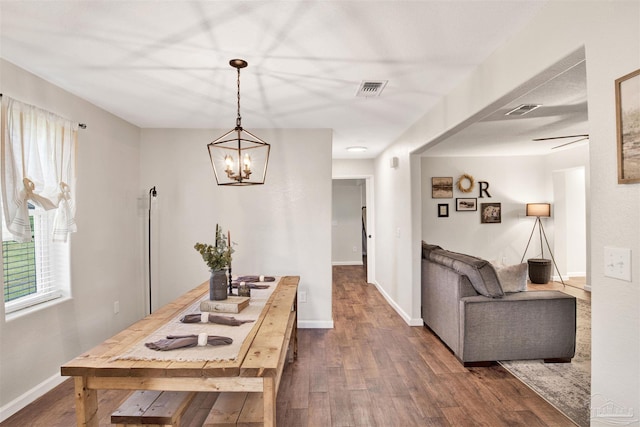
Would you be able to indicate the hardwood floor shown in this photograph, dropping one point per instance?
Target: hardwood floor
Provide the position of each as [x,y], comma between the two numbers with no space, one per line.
[573,286]
[370,370]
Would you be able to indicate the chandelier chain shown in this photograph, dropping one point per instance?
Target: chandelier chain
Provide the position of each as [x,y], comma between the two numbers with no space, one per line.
[239,119]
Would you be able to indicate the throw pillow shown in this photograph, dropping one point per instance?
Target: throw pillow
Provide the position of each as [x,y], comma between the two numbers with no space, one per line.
[513,278]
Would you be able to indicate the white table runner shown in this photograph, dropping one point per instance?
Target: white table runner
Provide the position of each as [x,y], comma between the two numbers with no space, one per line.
[259,298]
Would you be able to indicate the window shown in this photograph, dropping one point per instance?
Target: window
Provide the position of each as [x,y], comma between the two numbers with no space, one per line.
[35,271]
[38,203]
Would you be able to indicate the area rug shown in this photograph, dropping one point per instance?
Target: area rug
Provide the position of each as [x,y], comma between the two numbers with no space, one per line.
[567,386]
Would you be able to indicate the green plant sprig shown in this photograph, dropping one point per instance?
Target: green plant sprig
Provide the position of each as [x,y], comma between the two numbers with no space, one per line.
[217,257]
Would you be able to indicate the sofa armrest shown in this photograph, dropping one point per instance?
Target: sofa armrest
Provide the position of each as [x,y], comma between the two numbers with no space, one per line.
[523,325]
[442,289]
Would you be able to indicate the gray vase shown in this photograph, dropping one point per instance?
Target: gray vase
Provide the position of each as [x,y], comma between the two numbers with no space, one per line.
[218,285]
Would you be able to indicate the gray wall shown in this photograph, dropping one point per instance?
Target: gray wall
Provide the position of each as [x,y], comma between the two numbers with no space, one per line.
[280,228]
[346,237]
[106,252]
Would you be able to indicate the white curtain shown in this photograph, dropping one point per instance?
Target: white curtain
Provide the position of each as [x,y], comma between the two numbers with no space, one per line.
[38,167]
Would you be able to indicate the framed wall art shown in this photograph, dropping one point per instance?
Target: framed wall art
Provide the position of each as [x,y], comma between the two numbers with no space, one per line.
[490,213]
[442,187]
[628,127]
[466,204]
[443,210]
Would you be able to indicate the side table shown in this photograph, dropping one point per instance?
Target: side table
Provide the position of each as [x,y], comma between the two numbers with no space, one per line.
[539,270]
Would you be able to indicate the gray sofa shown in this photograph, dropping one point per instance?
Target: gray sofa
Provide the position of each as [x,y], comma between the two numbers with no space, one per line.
[464,304]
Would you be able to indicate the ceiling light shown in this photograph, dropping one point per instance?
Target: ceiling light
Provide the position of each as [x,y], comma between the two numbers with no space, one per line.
[238,157]
[356,149]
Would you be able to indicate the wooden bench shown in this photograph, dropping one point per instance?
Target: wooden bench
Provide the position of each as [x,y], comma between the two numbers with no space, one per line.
[278,340]
[146,408]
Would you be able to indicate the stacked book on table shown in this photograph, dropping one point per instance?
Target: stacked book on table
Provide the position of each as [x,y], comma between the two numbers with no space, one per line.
[233,304]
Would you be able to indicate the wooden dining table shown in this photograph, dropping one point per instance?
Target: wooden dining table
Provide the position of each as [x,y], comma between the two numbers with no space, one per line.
[258,367]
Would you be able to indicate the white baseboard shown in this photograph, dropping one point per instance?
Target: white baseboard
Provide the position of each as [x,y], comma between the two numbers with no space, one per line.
[347,263]
[315,324]
[397,308]
[30,396]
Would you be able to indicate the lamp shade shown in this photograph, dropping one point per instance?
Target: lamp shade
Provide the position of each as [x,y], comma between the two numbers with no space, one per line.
[539,209]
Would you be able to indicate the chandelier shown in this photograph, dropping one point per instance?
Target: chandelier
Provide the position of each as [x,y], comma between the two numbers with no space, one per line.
[239,157]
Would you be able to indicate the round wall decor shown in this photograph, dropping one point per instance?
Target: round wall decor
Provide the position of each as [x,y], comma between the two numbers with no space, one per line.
[465,183]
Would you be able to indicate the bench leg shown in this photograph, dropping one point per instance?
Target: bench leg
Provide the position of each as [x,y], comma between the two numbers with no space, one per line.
[269,399]
[86,404]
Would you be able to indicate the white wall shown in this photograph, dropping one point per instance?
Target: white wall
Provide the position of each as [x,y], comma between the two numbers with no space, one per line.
[106,252]
[346,168]
[570,170]
[346,230]
[281,228]
[397,263]
[513,182]
[576,225]
[570,221]
[610,35]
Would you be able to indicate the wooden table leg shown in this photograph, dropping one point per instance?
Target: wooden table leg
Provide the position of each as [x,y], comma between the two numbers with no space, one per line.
[295,338]
[86,404]
[269,400]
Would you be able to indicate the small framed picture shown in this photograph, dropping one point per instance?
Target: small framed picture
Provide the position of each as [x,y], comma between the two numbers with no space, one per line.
[468,204]
[443,210]
[490,213]
[628,127]
[442,187]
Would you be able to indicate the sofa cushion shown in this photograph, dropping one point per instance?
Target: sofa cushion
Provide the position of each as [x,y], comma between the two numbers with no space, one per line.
[481,273]
[427,248]
[513,278]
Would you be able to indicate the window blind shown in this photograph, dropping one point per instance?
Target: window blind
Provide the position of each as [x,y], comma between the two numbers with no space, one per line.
[34,271]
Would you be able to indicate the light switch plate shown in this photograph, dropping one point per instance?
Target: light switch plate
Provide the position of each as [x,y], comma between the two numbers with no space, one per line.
[617,263]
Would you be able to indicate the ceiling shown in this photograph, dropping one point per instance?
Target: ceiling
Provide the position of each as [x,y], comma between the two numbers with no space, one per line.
[164,64]
[561,94]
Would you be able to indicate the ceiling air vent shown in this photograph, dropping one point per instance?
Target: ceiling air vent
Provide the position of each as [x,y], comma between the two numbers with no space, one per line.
[371,88]
[523,109]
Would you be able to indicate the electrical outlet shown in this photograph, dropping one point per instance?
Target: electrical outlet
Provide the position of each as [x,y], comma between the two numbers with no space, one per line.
[302,296]
[116,307]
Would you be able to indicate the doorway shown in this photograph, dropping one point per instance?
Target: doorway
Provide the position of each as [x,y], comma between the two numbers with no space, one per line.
[352,221]
[570,243]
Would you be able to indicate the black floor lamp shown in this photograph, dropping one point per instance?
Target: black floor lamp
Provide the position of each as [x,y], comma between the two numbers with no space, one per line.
[539,268]
[152,193]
